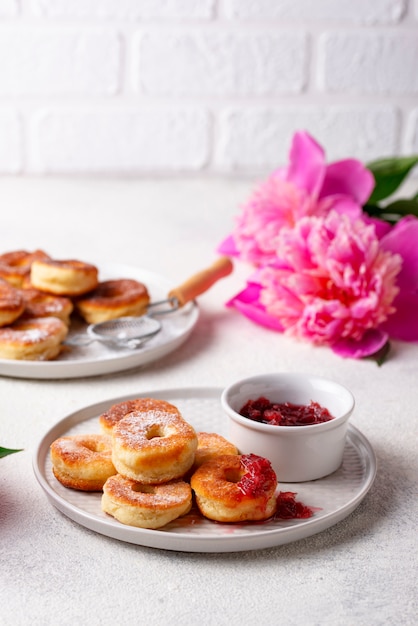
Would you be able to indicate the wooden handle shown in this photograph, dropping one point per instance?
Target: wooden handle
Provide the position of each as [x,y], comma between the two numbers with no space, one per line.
[202,281]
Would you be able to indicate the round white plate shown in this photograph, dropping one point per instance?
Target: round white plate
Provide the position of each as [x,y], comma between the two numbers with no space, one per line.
[333,497]
[97,358]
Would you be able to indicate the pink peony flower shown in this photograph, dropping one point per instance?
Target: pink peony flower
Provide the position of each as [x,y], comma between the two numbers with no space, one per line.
[334,282]
[403,240]
[306,187]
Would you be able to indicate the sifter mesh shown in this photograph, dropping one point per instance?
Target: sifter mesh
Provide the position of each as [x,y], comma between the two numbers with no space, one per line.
[124,332]
[126,328]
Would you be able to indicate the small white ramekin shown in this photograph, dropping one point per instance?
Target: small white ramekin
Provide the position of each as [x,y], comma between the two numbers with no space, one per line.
[297,453]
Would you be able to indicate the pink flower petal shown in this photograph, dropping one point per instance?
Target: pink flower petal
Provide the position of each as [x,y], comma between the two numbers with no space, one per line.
[343,205]
[403,324]
[247,302]
[307,163]
[335,280]
[348,177]
[402,239]
[372,342]
[228,247]
[381,227]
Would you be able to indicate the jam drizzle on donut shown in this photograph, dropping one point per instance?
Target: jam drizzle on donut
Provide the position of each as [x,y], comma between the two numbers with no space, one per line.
[259,474]
[253,483]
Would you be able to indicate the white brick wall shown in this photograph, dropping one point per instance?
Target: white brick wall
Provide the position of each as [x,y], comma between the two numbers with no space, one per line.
[202,87]
[56,60]
[221,63]
[101,139]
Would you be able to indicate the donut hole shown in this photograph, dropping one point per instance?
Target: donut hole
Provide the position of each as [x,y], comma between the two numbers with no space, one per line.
[93,446]
[233,475]
[155,431]
[140,488]
[111,291]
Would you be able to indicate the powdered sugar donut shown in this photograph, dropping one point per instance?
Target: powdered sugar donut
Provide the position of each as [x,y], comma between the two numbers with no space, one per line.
[112,416]
[82,462]
[153,444]
[64,278]
[210,446]
[40,304]
[15,266]
[37,339]
[112,299]
[145,506]
[11,303]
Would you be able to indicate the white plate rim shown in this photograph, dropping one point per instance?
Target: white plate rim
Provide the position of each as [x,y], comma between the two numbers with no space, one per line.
[81,368]
[183,541]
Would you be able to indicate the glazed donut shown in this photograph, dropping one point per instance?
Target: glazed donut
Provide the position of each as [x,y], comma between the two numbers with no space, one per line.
[40,304]
[15,266]
[235,488]
[211,445]
[153,445]
[112,416]
[64,278]
[11,303]
[82,462]
[37,339]
[145,506]
[112,299]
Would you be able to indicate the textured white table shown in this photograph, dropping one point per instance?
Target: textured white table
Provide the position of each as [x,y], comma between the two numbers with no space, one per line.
[53,571]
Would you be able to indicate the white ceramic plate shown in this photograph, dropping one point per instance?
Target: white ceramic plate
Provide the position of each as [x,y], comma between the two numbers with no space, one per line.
[335,496]
[97,358]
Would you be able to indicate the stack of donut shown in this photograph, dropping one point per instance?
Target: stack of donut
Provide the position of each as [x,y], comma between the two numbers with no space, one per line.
[38,295]
[150,462]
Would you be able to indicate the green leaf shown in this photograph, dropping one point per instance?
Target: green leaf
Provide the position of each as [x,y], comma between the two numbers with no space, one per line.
[381,213]
[381,355]
[6,451]
[393,211]
[389,174]
[403,207]
[374,210]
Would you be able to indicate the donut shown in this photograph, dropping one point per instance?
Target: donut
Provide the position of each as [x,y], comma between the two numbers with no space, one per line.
[37,339]
[11,303]
[145,506]
[154,444]
[112,416]
[82,462]
[15,266]
[40,304]
[211,445]
[64,278]
[112,299]
[235,488]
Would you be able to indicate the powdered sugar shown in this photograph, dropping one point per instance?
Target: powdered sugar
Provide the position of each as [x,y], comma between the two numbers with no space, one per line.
[139,428]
